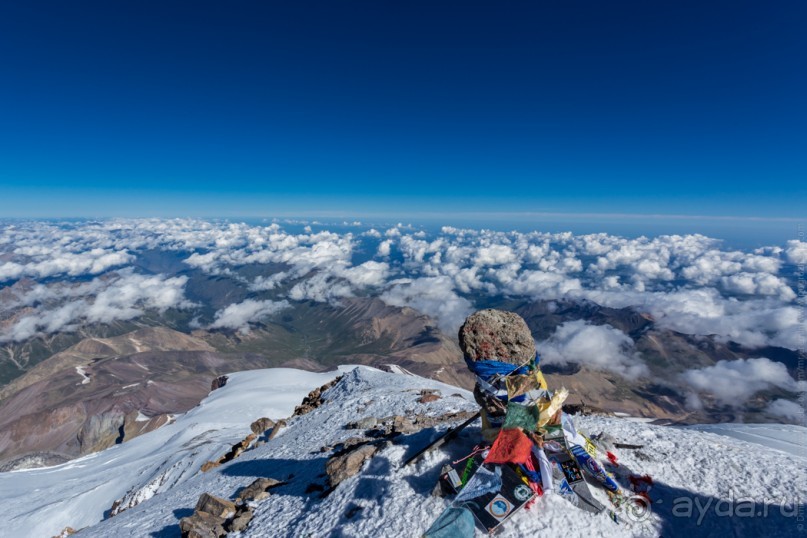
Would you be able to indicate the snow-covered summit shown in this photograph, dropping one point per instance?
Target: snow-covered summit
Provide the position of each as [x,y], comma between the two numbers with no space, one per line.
[704,483]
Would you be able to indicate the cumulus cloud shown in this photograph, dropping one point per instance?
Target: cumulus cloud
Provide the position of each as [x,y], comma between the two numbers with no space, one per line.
[600,347]
[121,296]
[734,382]
[796,252]
[787,410]
[42,263]
[433,296]
[689,283]
[239,316]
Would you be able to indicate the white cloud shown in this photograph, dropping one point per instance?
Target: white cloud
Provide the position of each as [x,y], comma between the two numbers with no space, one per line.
[239,315]
[263,283]
[600,347]
[384,248]
[734,382]
[433,296]
[494,255]
[788,410]
[118,296]
[796,252]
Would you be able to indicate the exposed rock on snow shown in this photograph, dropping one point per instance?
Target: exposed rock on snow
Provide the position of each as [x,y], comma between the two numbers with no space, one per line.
[343,466]
[202,525]
[260,426]
[314,399]
[698,477]
[220,508]
[218,382]
[258,490]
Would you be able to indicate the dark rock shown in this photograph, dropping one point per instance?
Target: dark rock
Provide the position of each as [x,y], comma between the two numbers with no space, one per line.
[343,466]
[202,525]
[258,490]
[496,334]
[314,398]
[240,521]
[215,506]
[279,424]
[261,425]
[218,382]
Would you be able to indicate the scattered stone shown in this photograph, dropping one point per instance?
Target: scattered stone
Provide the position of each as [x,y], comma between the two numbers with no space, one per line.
[206,466]
[427,398]
[403,425]
[260,426]
[240,521]
[314,399]
[219,382]
[202,525]
[496,334]
[258,490]
[278,425]
[364,424]
[215,506]
[67,531]
[343,466]
[352,442]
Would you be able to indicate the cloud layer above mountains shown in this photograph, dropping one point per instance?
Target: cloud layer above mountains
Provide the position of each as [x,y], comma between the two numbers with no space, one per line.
[57,275]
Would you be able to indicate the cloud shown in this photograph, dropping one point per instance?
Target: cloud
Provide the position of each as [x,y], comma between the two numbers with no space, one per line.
[433,296]
[689,283]
[787,410]
[733,382]
[796,252]
[239,316]
[384,248]
[600,347]
[44,263]
[120,296]
[264,283]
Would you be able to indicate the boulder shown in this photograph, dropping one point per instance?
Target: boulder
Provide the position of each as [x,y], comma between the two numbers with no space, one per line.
[496,334]
[258,490]
[216,506]
[342,466]
[202,525]
[240,521]
[218,382]
[261,425]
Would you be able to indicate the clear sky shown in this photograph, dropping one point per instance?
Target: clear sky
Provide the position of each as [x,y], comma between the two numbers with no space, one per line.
[140,108]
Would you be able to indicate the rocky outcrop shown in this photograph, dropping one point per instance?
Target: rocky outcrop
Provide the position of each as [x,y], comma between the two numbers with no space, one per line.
[218,382]
[342,466]
[257,490]
[260,426]
[236,450]
[214,517]
[314,399]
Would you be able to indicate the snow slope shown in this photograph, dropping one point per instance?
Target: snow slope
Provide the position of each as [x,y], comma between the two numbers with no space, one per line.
[785,437]
[700,478]
[41,502]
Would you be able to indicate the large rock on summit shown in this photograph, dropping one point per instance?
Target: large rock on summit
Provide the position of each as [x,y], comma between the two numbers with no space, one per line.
[496,334]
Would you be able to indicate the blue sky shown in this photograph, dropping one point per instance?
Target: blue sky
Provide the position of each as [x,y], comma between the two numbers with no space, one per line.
[263,108]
